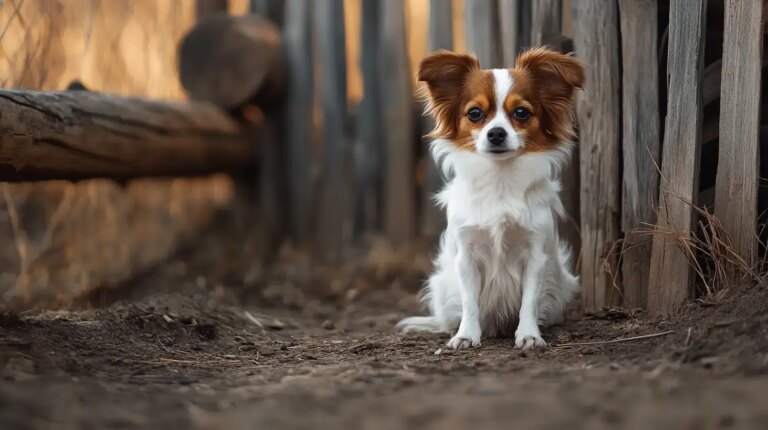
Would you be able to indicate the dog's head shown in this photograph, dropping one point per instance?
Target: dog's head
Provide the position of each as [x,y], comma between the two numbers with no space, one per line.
[502,113]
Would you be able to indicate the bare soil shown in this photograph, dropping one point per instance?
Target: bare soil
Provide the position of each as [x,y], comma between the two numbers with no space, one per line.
[317,350]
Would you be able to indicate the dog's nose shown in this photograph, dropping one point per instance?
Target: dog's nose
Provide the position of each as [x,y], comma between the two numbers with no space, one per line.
[497,135]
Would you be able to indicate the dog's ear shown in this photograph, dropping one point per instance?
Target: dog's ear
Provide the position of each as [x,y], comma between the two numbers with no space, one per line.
[444,73]
[553,72]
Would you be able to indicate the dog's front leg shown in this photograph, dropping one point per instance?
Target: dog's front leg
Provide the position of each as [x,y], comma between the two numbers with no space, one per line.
[527,335]
[469,286]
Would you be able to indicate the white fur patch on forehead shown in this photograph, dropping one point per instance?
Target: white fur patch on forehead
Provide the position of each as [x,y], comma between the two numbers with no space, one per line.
[502,84]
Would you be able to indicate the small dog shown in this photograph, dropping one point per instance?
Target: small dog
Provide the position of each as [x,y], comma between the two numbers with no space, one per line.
[504,135]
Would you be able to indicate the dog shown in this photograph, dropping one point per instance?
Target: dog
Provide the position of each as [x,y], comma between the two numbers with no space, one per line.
[502,136]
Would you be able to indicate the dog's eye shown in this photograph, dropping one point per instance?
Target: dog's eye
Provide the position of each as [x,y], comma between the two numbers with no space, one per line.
[475,114]
[521,114]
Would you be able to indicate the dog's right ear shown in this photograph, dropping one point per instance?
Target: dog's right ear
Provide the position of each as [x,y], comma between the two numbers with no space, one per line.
[444,73]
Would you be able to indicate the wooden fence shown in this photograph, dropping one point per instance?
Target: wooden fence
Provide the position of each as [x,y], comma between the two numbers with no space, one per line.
[641,140]
[332,171]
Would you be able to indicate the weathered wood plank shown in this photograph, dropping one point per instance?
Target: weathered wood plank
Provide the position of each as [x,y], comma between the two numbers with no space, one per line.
[546,21]
[369,144]
[80,134]
[509,21]
[737,168]
[481,20]
[397,98]
[298,130]
[671,276]
[641,143]
[440,37]
[335,201]
[596,41]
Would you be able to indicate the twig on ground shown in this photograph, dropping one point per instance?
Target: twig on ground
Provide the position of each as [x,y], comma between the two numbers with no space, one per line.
[604,342]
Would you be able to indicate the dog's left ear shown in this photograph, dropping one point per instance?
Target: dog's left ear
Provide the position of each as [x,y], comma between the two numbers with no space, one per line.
[553,72]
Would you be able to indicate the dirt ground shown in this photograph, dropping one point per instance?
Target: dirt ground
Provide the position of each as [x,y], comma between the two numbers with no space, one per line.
[197,344]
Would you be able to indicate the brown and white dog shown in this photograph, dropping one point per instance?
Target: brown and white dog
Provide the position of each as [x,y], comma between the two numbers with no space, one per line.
[503,135]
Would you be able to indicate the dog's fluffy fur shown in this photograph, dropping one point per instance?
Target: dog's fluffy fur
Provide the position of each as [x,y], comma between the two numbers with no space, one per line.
[500,258]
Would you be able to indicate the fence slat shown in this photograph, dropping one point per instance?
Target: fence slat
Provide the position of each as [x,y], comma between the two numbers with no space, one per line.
[641,145]
[369,151]
[336,188]
[397,98]
[481,20]
[596,41]
[440,37]
[509,20]
[671,275]
[737,168]
[546,21]
[298,114]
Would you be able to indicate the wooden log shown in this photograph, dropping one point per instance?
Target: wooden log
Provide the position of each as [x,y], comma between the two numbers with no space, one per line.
[671,276]
[298,129]
[397,99]
[335,200]
[509,21]
[596,41]
[481,20]
[207,8]
[369,144]
[641,143]
[737,167]
[546,20]
[440,37]
[232,61]
[81,134]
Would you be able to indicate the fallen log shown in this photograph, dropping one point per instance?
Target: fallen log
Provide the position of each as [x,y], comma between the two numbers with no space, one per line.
[232,61]
[81,134]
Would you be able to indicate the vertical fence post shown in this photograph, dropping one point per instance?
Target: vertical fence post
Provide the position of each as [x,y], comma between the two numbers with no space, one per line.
[737,168]
[546,21]
[369,151]
[397,97]
[440,37]
[336,188]
[641,145]
[298,118]
[596,41]
[482,31]
[509,20]
[671,276]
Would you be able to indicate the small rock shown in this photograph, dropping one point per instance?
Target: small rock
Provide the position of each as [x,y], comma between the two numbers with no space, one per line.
[267,351]
[439,351]
[328,325]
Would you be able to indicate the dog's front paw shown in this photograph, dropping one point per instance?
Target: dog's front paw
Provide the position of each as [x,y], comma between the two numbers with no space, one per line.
[461,342]
[529,341]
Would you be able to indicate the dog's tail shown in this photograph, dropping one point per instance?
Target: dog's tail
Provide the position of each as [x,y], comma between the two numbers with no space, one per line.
[570,282]
[414,324]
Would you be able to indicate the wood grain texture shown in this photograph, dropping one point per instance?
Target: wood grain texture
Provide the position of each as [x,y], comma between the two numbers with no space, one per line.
[546,20]
[335,201]
[641,143]
[80,134]
[737,168]
[369,144]
[298,130]
[440,37]
[509,21]
[481,22]
[671,277]
[397,98]
[596,41]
